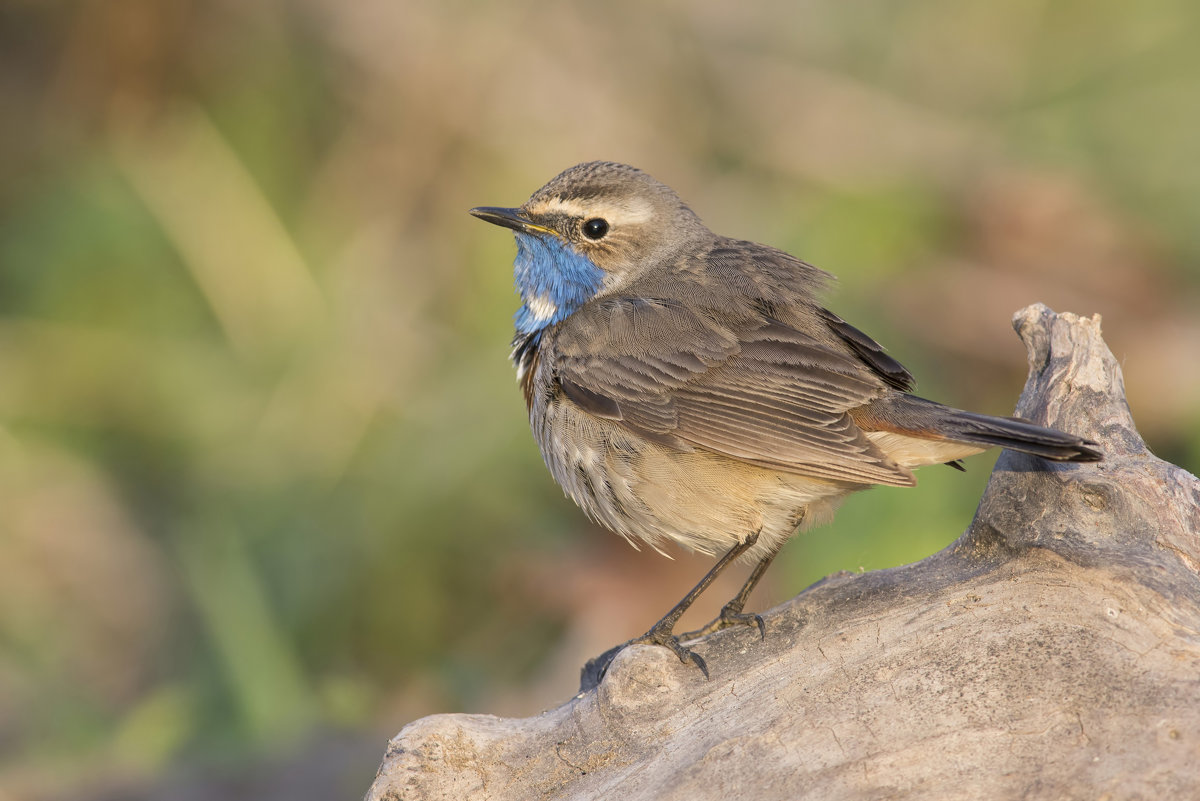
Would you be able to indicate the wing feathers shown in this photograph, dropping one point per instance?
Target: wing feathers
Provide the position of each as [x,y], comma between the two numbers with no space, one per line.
[748,387]
[872,353]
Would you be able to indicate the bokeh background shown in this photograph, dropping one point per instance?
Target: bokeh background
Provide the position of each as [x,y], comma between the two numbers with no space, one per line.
[267,490]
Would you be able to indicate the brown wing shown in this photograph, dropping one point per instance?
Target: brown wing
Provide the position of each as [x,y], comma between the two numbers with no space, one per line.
[871,353]
[748,387]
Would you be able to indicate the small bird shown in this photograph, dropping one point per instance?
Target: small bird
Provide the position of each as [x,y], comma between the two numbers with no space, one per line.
[686,387]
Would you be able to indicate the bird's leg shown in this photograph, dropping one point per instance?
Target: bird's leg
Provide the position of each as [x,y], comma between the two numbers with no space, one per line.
[662,632]
[731,613]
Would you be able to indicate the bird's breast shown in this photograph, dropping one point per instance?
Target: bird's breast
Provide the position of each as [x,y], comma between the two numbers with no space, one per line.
[651,493]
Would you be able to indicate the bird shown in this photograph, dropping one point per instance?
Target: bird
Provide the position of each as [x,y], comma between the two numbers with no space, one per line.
[691,388]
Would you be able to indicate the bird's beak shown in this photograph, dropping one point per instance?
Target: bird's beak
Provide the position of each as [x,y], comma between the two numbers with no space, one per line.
[509,218]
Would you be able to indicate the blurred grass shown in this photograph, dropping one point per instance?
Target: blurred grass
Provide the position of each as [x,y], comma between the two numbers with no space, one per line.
[265,471]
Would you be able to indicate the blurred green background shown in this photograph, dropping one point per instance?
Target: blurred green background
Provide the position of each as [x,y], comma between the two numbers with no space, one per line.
[267,489]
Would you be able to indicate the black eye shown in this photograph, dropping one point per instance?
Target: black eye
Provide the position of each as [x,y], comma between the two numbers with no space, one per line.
[595,228]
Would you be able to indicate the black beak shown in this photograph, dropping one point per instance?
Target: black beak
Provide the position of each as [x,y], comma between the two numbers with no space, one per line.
[509,218]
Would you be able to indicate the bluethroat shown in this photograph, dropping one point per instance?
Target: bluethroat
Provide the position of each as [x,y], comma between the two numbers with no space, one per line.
[686,387]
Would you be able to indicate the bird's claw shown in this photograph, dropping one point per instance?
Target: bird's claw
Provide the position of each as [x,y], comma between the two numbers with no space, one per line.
[664,637]
[596,667]
[728,617]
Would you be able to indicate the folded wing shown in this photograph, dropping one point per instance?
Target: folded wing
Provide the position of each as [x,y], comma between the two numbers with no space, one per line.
[745,386]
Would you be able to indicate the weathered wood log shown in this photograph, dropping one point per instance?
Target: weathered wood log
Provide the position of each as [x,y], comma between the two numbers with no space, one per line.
[1051,652]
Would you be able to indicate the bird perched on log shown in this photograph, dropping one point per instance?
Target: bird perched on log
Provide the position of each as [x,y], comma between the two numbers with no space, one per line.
[687,387]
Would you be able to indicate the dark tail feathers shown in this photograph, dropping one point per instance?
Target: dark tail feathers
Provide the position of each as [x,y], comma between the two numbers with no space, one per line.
[981,429]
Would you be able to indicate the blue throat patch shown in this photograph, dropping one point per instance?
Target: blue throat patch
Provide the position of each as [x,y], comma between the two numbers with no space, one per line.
[553,281]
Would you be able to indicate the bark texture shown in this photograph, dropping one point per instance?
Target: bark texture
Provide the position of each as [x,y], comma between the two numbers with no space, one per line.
[1051,652]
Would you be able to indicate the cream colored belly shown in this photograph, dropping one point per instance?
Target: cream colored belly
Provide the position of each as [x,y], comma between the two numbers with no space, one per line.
[702,501]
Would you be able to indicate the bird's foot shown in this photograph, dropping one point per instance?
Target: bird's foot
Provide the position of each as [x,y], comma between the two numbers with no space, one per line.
[660,634]
[731,615]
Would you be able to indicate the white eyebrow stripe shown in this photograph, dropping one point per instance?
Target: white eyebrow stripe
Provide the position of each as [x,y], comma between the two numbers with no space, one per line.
[627,212]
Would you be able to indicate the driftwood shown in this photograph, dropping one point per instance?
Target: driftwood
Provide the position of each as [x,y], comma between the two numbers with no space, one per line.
[1051,652]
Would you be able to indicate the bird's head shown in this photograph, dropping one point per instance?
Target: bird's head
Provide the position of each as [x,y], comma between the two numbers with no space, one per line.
[588,232]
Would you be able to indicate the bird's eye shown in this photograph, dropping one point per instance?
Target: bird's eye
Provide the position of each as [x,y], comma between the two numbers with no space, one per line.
[595,228]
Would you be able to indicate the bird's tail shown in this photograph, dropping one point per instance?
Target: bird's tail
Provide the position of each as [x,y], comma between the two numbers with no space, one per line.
[912,416]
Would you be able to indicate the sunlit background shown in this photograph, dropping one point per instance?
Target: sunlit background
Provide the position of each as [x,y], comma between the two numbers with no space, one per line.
[267,489]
